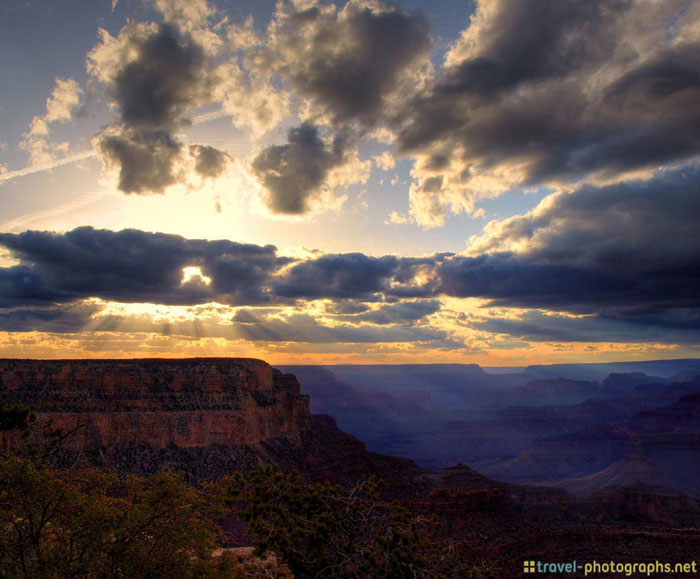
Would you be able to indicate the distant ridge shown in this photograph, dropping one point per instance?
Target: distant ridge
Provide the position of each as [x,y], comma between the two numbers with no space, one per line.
[596,371]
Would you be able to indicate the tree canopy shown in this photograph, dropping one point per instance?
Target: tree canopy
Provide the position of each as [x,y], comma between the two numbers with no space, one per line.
[87,522]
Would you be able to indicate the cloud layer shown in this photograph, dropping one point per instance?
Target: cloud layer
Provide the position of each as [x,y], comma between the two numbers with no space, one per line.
[544,91]
[132,266]
[620,257]
[596,102]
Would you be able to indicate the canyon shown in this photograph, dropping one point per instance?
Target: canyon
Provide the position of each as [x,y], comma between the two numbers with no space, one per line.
[213,416]
[206,416]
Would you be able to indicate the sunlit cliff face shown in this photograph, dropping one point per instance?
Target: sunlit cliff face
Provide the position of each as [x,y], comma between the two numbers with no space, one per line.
[350,181]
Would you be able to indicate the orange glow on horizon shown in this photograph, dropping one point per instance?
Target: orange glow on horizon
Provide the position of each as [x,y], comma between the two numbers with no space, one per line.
[96,345]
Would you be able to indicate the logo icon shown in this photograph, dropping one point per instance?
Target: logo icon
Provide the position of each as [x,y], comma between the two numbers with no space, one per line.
[528,566]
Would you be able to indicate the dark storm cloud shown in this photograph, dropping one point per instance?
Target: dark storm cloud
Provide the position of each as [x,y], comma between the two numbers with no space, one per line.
[503,278]
[351,275]
[158,88]
[538,327]
[506,279]
[347,61]
[132,266]
[21,284]
[631,229]
[147,160]
[56,319]
[293,174]
[154,93]
[303,328]
[625,255]
[543,90]
[625,251]
[210,162]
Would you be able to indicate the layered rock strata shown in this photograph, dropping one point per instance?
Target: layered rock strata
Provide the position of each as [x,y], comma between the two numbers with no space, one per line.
[158,403]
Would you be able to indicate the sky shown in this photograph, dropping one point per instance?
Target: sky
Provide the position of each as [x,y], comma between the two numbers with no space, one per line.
[502,182]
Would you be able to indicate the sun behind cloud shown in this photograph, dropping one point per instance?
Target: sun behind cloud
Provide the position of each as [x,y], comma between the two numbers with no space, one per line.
[354,181]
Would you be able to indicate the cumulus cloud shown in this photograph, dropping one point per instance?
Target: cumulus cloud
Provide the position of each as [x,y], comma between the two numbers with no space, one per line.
[146,160]
[385,161]
[350,62]
[151,161]
[396,218]
[209,162]
[158,75]
[253,102]
[155,73]
[61,106]
[544,91]
[300,174]
[189,14]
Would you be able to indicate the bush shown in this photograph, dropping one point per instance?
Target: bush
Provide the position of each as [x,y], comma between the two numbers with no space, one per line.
[324,530]
[89,523]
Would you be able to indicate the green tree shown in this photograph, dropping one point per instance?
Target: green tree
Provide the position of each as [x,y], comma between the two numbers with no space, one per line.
[324,530]
[89,523]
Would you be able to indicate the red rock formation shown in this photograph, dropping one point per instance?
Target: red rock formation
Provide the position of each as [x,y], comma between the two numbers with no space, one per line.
[186,403]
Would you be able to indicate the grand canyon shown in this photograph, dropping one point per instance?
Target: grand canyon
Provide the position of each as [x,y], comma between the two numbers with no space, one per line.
[589,470]
[306,245]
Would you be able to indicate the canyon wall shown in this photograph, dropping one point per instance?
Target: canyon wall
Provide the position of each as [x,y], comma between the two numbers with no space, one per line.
[159,403]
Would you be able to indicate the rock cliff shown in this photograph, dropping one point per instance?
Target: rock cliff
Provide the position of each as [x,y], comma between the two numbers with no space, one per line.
[210,417]
[158,403]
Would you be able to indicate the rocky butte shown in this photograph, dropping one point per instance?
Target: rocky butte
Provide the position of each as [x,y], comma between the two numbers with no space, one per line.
[159,403]
[206,416]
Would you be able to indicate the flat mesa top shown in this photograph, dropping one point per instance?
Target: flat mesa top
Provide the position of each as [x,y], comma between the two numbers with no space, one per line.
[140,384]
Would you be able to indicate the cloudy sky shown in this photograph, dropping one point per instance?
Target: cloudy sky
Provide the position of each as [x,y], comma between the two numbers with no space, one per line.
[501,182]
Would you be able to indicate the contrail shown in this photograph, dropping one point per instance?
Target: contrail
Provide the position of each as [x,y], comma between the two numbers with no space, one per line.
[198,120]
[204,117]
[45,167]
